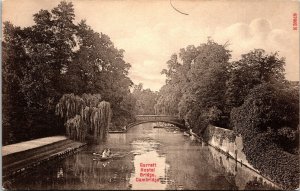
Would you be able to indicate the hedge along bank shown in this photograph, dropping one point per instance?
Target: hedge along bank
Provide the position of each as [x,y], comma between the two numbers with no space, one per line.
[268,123]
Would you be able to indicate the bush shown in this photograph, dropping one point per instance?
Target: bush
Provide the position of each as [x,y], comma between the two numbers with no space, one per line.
[267,120]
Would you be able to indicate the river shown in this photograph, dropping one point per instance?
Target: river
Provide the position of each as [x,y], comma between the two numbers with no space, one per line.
[146,158]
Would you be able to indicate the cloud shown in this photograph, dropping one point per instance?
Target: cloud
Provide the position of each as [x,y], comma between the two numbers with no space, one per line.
[259,33]
[149,48]
[148,73]
[146,51]
[260,27]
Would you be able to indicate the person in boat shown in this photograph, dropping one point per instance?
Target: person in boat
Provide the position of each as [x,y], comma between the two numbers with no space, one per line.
[106,153]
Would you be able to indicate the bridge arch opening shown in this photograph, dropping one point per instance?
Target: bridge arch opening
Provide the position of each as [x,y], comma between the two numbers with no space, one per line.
[167,122]
[140,119]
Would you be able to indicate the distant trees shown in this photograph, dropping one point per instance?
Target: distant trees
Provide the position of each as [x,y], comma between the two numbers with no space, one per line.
[145,100]
[53,57]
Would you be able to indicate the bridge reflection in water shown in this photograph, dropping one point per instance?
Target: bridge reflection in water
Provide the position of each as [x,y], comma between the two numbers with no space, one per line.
[160,118]
[180,164]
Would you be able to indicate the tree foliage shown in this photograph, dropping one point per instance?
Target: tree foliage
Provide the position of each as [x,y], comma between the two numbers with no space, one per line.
[53,57]
[145,100]
[196,86]
[250,95]
[84,115]
[254,68]
[268,122]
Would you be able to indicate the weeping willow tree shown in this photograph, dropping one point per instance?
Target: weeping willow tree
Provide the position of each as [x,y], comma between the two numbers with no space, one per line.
[84,115]
[76,129]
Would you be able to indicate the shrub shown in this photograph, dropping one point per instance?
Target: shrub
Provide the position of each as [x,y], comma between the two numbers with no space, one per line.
[267,120]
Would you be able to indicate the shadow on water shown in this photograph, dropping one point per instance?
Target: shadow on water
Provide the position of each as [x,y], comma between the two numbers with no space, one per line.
[174,162]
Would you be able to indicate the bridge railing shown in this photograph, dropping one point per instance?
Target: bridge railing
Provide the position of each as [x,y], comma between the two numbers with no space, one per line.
[161,118]
[156,117]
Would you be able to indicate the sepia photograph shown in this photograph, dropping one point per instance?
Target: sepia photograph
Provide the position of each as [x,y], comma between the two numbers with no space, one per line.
[150,95]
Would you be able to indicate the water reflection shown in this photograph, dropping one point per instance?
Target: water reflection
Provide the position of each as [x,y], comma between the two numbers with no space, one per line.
[60,173]
[239,175]
[154,180]
[180,163]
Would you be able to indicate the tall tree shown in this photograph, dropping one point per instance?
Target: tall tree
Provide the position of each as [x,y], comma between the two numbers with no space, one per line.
[13,110]
[195,88]
[254,68]
[54,57]
[99,67]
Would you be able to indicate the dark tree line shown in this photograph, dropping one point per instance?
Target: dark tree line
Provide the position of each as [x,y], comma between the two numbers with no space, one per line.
[250,96]
[53,57]
[204,87]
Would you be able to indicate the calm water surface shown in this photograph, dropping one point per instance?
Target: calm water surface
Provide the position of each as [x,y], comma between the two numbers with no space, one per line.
[180,163]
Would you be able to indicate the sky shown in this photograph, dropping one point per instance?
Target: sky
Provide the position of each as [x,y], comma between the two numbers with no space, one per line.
[150,31]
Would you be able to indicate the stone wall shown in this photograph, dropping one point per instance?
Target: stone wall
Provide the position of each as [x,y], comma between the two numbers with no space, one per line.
[238,174]
[226,141]
[231,145]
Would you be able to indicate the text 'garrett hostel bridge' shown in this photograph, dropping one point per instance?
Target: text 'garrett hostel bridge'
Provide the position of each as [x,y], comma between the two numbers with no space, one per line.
[160,118]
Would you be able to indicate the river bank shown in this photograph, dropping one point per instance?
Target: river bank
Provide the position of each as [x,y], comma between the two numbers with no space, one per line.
[18,159]
[231,145]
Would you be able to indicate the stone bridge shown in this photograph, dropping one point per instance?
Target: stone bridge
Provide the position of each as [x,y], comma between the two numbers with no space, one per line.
[158,118]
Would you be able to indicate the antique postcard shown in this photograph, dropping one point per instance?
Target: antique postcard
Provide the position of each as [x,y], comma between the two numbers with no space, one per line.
[150,95]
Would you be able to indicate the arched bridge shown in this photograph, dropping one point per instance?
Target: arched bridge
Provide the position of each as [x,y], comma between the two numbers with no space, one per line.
[159,118]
